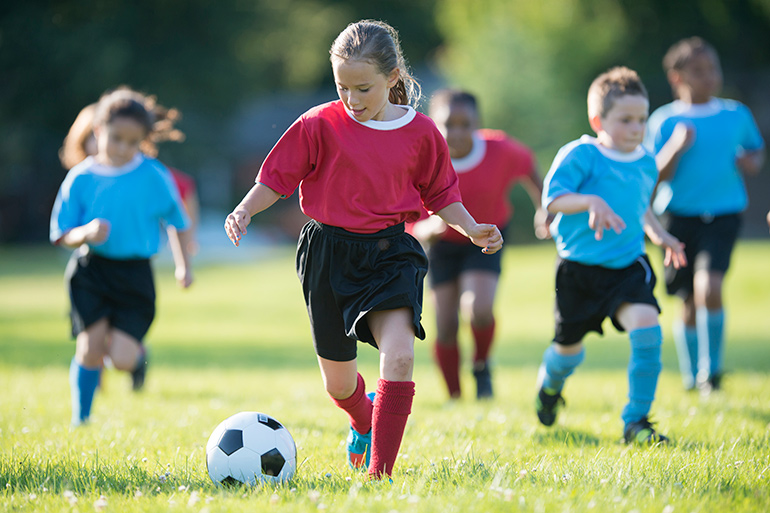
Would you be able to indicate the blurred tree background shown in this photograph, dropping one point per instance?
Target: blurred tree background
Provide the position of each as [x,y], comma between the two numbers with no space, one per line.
[227,62]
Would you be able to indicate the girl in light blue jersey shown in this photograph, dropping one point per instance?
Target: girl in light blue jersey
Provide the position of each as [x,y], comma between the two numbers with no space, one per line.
[109,209]
[703,146]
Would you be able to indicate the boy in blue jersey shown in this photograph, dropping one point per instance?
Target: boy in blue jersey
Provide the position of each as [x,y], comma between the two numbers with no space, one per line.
[702,145]
[600,188]
[109,208]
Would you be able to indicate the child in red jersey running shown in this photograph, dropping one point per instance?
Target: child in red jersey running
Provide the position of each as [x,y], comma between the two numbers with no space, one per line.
[488,164]
[364,165]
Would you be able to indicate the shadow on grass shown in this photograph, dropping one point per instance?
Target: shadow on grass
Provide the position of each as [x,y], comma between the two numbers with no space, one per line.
[569,437]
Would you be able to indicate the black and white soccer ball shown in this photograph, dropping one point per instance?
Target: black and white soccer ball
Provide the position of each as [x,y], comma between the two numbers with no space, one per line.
[250,448]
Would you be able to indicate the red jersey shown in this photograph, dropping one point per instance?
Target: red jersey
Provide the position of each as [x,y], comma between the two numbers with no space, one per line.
[185,183]
[487,175]
[362,177]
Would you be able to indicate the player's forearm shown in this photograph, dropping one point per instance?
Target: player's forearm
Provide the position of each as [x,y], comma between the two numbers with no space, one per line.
[259,198]
[652,227]
[667,160]
[75,238]
[456,216]
[533,184]
[572,203]
[180,241]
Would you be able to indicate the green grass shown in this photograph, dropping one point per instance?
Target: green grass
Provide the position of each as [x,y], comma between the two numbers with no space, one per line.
[239,340]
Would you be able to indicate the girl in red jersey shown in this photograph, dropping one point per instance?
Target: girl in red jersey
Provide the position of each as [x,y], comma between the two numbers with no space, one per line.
[365,165]
[488,163]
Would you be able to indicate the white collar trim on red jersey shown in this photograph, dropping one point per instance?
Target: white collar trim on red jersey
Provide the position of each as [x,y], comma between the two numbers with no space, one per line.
[105,170]
[617,156]
[474,158]
[387,125]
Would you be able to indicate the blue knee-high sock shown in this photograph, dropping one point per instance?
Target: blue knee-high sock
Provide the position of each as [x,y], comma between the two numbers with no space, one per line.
[643,370]
[686,341]
[557,367]
[83,382]
[711,328]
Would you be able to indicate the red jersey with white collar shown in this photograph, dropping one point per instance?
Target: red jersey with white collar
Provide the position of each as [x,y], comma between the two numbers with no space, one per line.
[362,177]
[487,175]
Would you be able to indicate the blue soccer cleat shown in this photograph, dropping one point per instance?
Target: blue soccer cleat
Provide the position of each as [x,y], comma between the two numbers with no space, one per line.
[359,446]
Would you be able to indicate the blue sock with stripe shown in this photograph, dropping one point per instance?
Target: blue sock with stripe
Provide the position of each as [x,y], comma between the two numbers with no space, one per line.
[556,368]
[643,370]
[711,328]
[83,382]
[686,341]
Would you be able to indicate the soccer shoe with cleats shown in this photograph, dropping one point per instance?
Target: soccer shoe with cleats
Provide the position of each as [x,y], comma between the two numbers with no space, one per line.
[642,432]
[483,380]
[547,405]
[359,446]
[139,374]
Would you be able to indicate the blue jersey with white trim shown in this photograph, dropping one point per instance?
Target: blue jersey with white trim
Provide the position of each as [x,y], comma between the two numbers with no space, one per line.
[134,198]
[706,179]
[624,180]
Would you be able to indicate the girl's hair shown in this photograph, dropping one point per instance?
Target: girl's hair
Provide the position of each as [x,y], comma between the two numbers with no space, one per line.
[123,101]
[451,97]
[377,43]
[682,52]
[611,85]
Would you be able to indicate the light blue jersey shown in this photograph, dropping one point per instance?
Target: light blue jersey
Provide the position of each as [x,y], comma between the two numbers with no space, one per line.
[134,198]
[624,180]
[706,180]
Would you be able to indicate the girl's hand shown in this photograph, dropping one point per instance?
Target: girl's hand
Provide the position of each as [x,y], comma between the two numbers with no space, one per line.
[236,223]
[184,276]
[674,251]
[487,237]
[601,217]
[97,231]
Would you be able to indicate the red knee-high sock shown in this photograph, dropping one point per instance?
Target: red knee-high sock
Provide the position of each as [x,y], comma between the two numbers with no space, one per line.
[483,337]
[392,408]
[448,360]
[358,407]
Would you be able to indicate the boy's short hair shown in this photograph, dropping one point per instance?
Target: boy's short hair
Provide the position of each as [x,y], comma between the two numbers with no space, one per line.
[611,85]
[682,52]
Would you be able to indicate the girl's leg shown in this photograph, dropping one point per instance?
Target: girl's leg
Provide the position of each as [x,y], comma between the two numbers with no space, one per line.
[686,341]
[84,369]
[641,322]
[446,349]
[130,355]
[394,333]
[478,299]
[710,319]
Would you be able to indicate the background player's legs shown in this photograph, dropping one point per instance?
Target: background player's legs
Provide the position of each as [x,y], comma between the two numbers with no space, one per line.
[559,362]
[446,298]
[394,332]
[477,300]
[128,354]
[710,318]
[84,369]
[641,323]
[686,341]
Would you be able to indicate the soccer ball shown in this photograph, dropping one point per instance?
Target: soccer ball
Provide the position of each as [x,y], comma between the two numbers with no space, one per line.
[250,448]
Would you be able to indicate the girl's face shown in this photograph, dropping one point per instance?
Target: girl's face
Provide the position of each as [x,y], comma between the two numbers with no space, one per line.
[702,76]
[622,127]
[456,122]
[118,141]
[364,90]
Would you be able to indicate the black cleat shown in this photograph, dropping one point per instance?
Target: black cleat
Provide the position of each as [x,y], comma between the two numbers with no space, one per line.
[139,374]
[483,380]
[642,432]
[547,404]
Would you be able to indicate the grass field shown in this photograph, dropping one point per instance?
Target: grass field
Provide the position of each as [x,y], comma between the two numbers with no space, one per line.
[239,340]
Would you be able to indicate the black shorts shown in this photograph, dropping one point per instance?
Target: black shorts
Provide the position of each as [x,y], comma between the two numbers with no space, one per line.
[708,245]
[449,259]
[122,291]
[587,294]
[346,275]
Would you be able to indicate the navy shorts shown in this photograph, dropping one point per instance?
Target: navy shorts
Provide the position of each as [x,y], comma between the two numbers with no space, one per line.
[346,275]
[587,294]
[708,245]
[448,260]
[122,291]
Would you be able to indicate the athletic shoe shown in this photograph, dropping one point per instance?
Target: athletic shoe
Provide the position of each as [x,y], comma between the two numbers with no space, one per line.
[547,404]
[483,380]
[139,374]
[359,446]
[713,383]
[642,432]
